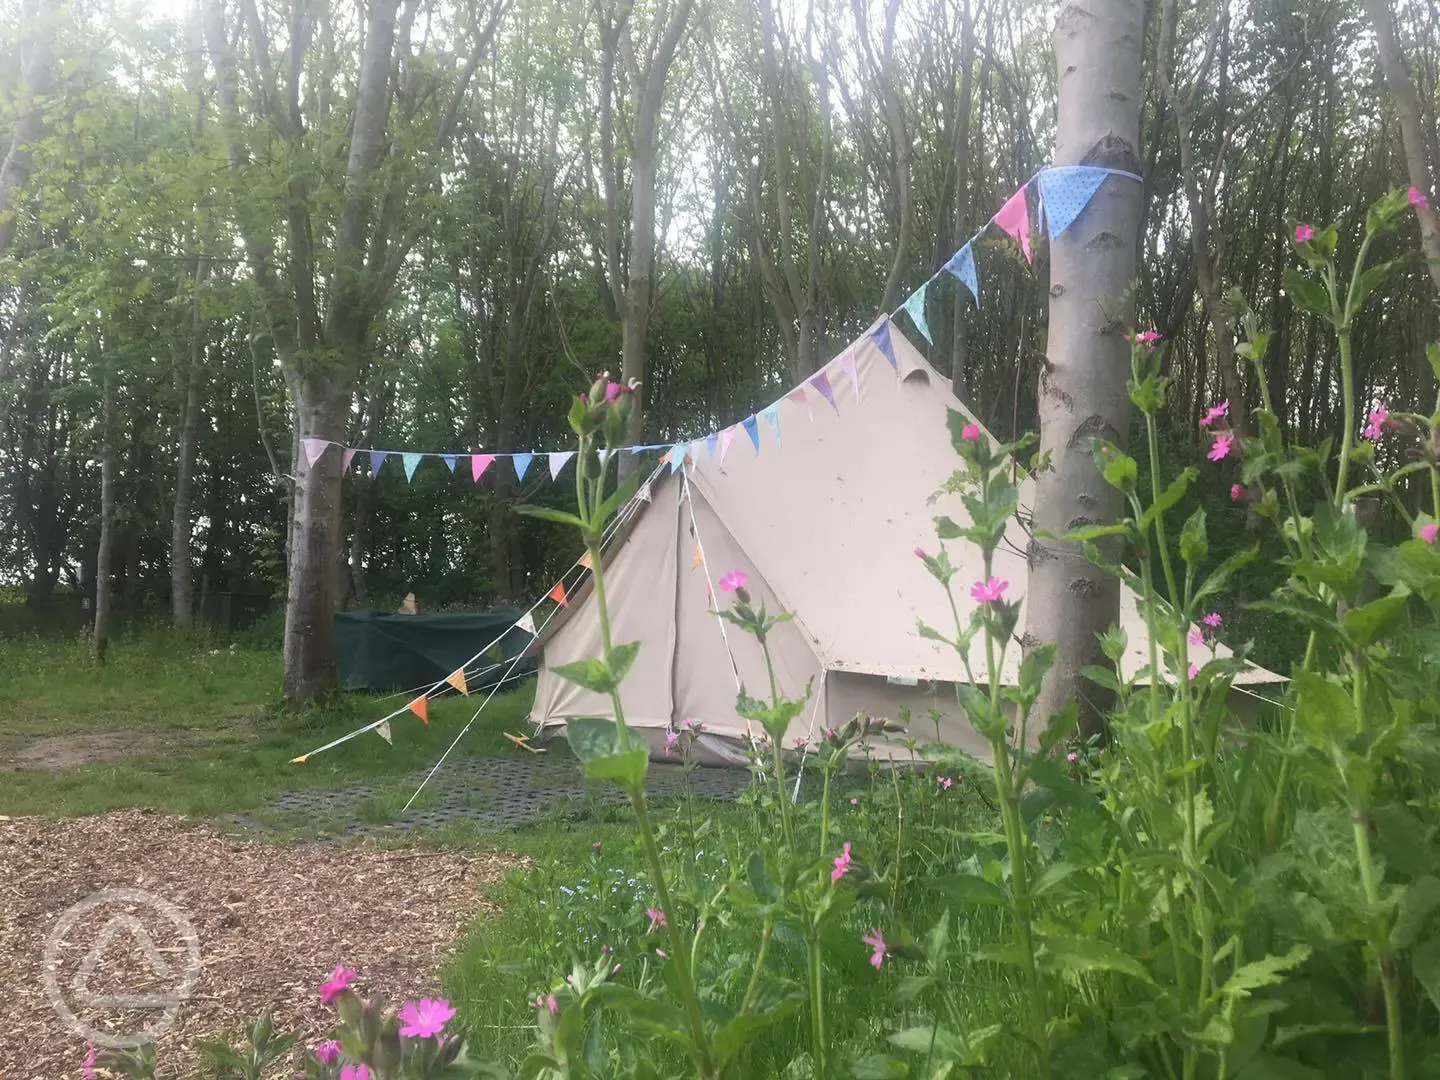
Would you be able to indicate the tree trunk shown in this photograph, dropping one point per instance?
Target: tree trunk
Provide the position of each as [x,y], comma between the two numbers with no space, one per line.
[100,632]
[182,600]
[1407,106]
[1082,391]
[962,189]
[37,18]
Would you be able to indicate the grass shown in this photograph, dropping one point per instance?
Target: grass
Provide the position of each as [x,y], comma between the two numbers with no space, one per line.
[207,733]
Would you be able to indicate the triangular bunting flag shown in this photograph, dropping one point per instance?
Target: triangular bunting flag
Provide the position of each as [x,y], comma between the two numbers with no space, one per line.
[1066,191]
[421,709]
[584,561]
[1014,218]
[604,456]
[410,460]
[526,622]
[479,463]
[848,359]
[457,679]
[962,265]
[313,449]
[644,493]
[772,417]
[752,428]
[798,397]
[915,307]
[377,458]
[676,457]
[558,594]
[881,336]
[726,438]
[698,558]
[711,442]
[383,730]
[521,462]
[450,460]
[347,459]
[558,459]
[821,382]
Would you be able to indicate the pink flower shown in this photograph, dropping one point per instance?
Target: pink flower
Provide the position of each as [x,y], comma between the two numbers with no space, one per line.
[970,432]
[1304,234]
[1220,449]
[1378,419]
[1238,492]
[1216,412]
[1213,620]
[671,738]
[661,954]
[1194,671]
[735,579]
[1072,757]
[945,782]
[1145,337]
[332,988]
[800,742]
[1197,638]
[856,802]
[612,391]
[1417,197]
[1429,532]
[88,1068]
[424,1018]
[548,1003]
[842,863]
[596,845]
[989,592]
[355,1072]
[876,941]
[657,918]
[327,1052]
[919,553]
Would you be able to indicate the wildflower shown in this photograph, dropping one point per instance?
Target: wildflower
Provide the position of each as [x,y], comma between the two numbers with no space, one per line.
[1216,412]
[1238,492]
[1213,620]
[355,1072]
[876,941]
[671,738]
[1429,532]
[1197,638]
[945,783]
[735,579]
[842,863]
[989,592]
[1417,197]
[1378,419]
[546,1002]
[1220,449]
[657,918]
[339,979]
[661,954]
[1193,671]
[88,1068]
[1072,757]
[970,432]
[1145,337]
[856,802]
[327,1052]
[1304,234]
[612,391]
[800,742]
[424,1018]
[596,845]
[919,553]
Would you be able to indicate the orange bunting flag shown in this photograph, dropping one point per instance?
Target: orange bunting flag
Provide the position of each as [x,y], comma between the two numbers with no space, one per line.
[697,558]
[421,709]
[558,594]
[457,679]
[585,562]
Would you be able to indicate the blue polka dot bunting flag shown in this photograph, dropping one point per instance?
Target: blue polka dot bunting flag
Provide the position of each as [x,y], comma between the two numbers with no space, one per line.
[1066,191]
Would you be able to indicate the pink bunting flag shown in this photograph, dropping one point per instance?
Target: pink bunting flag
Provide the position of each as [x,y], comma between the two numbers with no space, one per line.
[849,361]
[345,462]
[726,438]
[313,449]
[798,397]
[479,463]
[1014,218]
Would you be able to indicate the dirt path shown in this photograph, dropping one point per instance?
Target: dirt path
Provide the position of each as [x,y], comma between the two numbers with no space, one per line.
[269,922]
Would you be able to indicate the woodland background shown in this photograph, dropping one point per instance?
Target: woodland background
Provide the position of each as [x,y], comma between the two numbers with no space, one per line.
[811,162]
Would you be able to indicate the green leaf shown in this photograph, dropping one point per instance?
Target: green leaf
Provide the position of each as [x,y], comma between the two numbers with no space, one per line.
[1096,532]
[596,742]
[1100,676]
[1419,899]
[761,881]
[971,889]
[620,659]
[547,513]
[1168,498]
[1307,294]
[733,1037]
[594,675]
[1367,623]
[1432,353]
[1194,540]
[1268,971]
[1084,955]
[879,1067]
[1425,963]
[1221,575]
[1324,712]
[946,529]
[1119,469]
[1051,876]
[1372,279]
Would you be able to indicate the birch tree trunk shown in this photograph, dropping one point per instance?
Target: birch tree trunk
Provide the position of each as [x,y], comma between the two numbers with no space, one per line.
[1082,391]
[182,599]
[100,631]
[1407,107]
[36,70]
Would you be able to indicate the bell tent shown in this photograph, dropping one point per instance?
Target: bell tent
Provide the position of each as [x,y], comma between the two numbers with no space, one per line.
[822,507]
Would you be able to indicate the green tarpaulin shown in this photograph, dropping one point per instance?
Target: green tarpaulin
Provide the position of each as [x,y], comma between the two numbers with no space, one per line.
[381,650]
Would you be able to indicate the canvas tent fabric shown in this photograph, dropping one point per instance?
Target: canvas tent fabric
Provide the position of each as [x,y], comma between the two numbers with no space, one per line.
[824,521]
[385,651]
